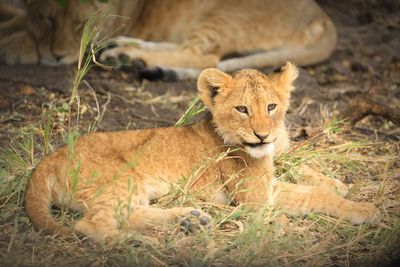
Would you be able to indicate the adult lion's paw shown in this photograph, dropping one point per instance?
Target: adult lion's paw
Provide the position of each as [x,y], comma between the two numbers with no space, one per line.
[18,48]
[124,56]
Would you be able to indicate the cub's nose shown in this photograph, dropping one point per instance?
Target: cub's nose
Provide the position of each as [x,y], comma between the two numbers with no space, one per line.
[260,136]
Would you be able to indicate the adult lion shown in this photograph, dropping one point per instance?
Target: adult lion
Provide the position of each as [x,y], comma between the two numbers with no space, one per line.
[185,36]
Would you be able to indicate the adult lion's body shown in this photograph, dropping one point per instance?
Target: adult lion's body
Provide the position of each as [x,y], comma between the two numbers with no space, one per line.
[112,177]
[187,34]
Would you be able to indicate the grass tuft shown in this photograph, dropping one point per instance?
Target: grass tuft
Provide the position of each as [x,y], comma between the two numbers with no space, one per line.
[239,237]
[195,108]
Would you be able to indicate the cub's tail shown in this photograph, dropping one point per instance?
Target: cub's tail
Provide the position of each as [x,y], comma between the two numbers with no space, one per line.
[38,201]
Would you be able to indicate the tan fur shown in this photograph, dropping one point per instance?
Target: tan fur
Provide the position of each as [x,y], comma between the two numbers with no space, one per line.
[119,173]
[183,34]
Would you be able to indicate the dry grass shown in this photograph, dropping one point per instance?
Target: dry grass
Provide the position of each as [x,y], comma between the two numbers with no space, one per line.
[240,237]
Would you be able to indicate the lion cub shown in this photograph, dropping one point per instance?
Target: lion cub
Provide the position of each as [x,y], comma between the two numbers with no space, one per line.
[111,177]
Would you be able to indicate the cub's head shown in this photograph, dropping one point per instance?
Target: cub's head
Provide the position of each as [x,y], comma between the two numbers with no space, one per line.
[248,107]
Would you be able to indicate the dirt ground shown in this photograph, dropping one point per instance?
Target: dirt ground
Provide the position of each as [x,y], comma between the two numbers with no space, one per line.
[367,54]
[366,62]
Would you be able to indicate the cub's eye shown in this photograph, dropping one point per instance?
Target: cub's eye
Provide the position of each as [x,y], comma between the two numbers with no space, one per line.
[242,109]
[271,107]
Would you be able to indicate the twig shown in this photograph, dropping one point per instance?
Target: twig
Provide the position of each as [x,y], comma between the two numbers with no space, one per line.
[95,99]
[362,106]
[105,106]
[385,136]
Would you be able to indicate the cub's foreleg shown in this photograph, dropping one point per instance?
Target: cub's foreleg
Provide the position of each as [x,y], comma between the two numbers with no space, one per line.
[309,176]
[299,200]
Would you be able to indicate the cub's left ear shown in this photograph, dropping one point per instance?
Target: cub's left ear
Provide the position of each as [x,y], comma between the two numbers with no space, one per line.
[284,78]
[210,83]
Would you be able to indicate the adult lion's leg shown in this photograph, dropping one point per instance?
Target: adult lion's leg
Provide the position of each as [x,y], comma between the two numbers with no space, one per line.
[136,43]
[298,200]
[159,59]
[156,57]
[111,224]
[18,48]
[163,61]
[277,57]
[310,43]
[309,176]
[8,11]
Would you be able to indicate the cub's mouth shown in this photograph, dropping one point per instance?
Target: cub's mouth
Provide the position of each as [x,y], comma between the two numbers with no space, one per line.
[259,144]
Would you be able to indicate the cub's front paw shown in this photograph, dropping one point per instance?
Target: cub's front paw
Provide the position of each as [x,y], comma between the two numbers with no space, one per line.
[195,221]
[363,213]
[340,188]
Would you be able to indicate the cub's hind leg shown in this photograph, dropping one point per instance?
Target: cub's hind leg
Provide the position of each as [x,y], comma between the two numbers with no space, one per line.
[107,224]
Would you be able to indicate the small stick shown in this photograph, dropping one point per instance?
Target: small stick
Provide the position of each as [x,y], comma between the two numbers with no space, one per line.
[362,106]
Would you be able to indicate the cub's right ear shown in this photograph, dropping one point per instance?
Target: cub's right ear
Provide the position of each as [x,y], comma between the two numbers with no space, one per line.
[210,83]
